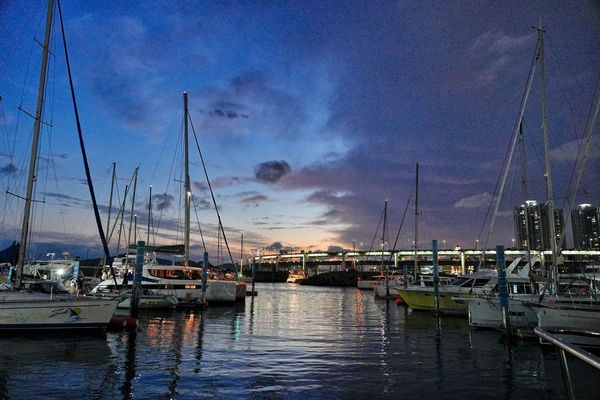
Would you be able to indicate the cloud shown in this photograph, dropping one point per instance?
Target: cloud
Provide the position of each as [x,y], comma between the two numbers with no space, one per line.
[250,104]
[200,186]
[66,200]
[475,201]
[162,201]
[8,169]
[254,200]
[570,150]
[496,51]
[271,171]
[498,42]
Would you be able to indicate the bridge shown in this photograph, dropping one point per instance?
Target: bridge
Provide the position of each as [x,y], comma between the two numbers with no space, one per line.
[458,261]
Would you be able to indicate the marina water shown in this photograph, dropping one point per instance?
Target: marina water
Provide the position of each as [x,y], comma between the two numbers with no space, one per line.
[289,342]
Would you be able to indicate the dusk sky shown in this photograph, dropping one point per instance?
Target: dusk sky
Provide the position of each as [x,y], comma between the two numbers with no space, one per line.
[309,116]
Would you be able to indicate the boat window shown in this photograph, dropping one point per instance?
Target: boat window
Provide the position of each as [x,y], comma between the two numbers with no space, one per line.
[520,288]
[174,274]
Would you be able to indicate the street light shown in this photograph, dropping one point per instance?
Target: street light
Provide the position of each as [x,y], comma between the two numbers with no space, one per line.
[513,246]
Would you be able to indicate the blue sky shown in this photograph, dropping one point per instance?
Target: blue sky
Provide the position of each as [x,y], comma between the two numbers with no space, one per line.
[309,114]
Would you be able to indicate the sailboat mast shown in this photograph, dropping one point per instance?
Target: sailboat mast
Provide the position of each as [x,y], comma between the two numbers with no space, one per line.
[131,215]
[416,271]
[149,216]
[384,266]
[35,143]
[188,189]
[547,169]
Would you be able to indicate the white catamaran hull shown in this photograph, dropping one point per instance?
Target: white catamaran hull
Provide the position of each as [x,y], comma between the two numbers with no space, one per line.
[23,311]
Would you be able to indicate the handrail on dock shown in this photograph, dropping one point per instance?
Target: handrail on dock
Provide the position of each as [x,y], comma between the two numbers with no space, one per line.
[563,346]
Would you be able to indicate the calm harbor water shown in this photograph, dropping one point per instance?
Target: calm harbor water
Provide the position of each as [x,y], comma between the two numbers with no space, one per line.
[289,342]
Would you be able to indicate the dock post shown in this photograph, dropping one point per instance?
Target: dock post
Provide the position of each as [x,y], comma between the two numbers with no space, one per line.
[137,279]
[502,285]
[253,275]
[204,278]
[436,276]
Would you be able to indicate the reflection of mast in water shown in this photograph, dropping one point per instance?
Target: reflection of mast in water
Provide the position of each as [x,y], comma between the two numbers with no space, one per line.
[130,367]
[200,342]
[177,335]
[251,319]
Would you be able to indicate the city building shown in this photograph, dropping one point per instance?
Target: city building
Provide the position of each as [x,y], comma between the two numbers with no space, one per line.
[586,227]
[533,217]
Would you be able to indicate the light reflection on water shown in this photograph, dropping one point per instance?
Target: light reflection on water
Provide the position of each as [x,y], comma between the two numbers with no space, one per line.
[288,342]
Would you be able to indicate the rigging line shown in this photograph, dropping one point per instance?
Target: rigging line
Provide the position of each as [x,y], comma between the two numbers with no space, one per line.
[199,227]
[510,149]
[582,157]
[376,232]
[402,222]
[19,38]
[26,76]
[210,188]
[82,146]
[583,140]
[53,165]
[171,174]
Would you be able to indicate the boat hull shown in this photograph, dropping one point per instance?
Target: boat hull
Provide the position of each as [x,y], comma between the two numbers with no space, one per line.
[486,313]
[149,302]
[60,314]
[564,318]
[424,300]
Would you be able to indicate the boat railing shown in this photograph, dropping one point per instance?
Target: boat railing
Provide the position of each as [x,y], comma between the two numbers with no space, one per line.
[563,347]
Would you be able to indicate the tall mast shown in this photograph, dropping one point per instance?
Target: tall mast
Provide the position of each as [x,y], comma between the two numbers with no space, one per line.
[416,272]
[188,189]
[149,216]
[384,266]
[34,145]
[131,215]
[547,169]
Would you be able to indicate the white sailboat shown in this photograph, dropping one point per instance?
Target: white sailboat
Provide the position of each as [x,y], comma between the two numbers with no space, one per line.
[33,304]
[574,318]
[181,279]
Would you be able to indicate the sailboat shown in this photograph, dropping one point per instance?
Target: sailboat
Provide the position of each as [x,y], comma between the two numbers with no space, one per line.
[38,304]
[574,318]
[183,280]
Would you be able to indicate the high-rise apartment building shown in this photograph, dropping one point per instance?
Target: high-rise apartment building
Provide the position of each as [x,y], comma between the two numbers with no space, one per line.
[586,227]
[533,217]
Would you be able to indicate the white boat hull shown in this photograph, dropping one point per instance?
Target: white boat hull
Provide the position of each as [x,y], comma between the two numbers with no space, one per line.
[571,318]
[18,312]
[187,291]
[487,313]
